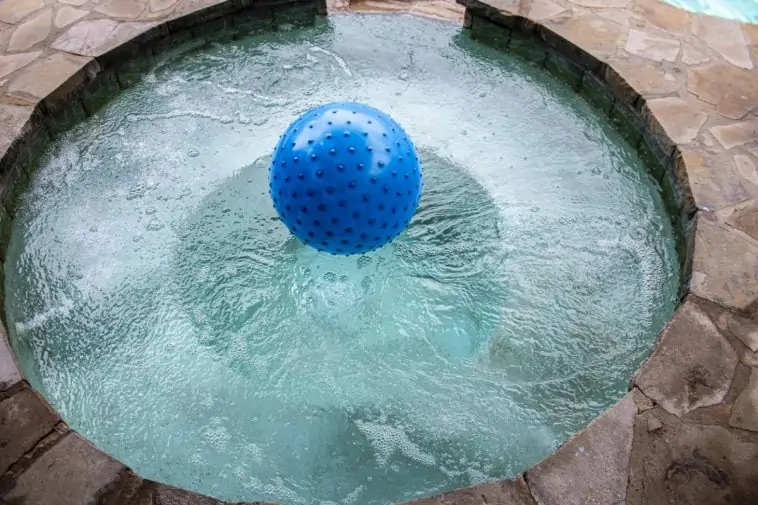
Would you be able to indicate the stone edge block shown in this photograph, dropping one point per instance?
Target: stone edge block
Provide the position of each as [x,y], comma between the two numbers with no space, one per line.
[513,491]
[691,365]
[70,472]
[25,418]
[592,467]
[10,375]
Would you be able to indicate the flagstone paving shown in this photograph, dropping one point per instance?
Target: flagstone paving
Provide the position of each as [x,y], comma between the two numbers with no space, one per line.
[682,87]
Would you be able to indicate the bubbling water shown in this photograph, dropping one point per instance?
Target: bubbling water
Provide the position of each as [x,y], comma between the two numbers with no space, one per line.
[158,303]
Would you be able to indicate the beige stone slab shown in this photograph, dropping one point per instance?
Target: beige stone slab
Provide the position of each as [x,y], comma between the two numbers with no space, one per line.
[13,11]
[9,372]
[67,15]
[24,419]
[681,122]
[652,46]
[12,62]
[613,4]
[87,37]
[750,31]
[503,492]
[691,464]
[725,37]
[731,89]
[595,35]
[693,56]
[743,217]
[96,37]
[32,32]
[691,366]
[662,15]
[647,78]
[161,5]
[750,359]
[745,412]
[725,266]
[592,466]
[13,121]
[72,472]
[736,134]
[45,76]
[129,9]
[541,10]
[719,181]
[77,3]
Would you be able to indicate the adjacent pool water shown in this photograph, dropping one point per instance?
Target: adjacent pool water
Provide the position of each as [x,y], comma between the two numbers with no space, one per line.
[157,302]
[740,10]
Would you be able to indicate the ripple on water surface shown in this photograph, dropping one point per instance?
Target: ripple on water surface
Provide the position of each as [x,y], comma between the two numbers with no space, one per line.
[157,302]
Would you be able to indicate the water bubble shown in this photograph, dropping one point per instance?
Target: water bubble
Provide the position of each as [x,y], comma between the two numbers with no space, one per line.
[193,153]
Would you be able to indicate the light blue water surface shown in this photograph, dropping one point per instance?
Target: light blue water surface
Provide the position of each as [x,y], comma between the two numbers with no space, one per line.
[155,300]
[740,10]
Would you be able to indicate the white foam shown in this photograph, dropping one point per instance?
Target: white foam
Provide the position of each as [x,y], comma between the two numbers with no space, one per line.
[38,320]
[387,440]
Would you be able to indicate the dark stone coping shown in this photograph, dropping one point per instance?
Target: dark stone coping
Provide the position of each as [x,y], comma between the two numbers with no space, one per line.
[685,432]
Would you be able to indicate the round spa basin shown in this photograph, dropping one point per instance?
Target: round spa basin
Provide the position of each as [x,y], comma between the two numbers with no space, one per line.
[155,299]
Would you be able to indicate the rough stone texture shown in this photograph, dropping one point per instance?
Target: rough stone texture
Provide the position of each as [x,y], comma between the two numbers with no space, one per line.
[595,35]
[725,37]
[662,15]
[167,495]
[128,9]
[591,468]
[653,424]
[67,15]
[731,89]
[13,11]
[736,134]
[88,37]
[12,62]
[45,76]
[72,472]
[13,120]
[690,464]
[720,181]
[544,9]
[681,123]
[651,46]
[24,419]
[750,359]
[692,56]
[31,32]
[161,5]
[504,492]
[725,266]
[743,217]
[691,366]
[745,412]
[9,373]
[744,329]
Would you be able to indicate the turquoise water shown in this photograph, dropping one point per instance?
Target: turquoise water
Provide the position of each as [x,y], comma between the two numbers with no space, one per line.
[740,10]
[156,301]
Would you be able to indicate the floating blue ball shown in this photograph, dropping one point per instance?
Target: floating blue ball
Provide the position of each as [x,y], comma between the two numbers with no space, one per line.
[345,178]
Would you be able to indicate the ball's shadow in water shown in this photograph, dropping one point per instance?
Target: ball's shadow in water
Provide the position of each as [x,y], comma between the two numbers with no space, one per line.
[237,265]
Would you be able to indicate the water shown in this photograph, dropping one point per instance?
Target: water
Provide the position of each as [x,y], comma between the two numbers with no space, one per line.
[740,10]
[157,302]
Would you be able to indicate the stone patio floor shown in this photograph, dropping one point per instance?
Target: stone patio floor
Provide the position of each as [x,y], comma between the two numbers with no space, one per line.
[687,431]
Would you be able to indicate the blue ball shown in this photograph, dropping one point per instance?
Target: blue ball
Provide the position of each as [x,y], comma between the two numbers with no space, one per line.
[345,178]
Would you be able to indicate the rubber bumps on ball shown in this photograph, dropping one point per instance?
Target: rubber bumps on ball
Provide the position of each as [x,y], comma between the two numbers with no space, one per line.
[345,178]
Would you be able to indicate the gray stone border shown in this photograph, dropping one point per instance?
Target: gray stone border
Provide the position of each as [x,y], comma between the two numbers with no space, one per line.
[680,86]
